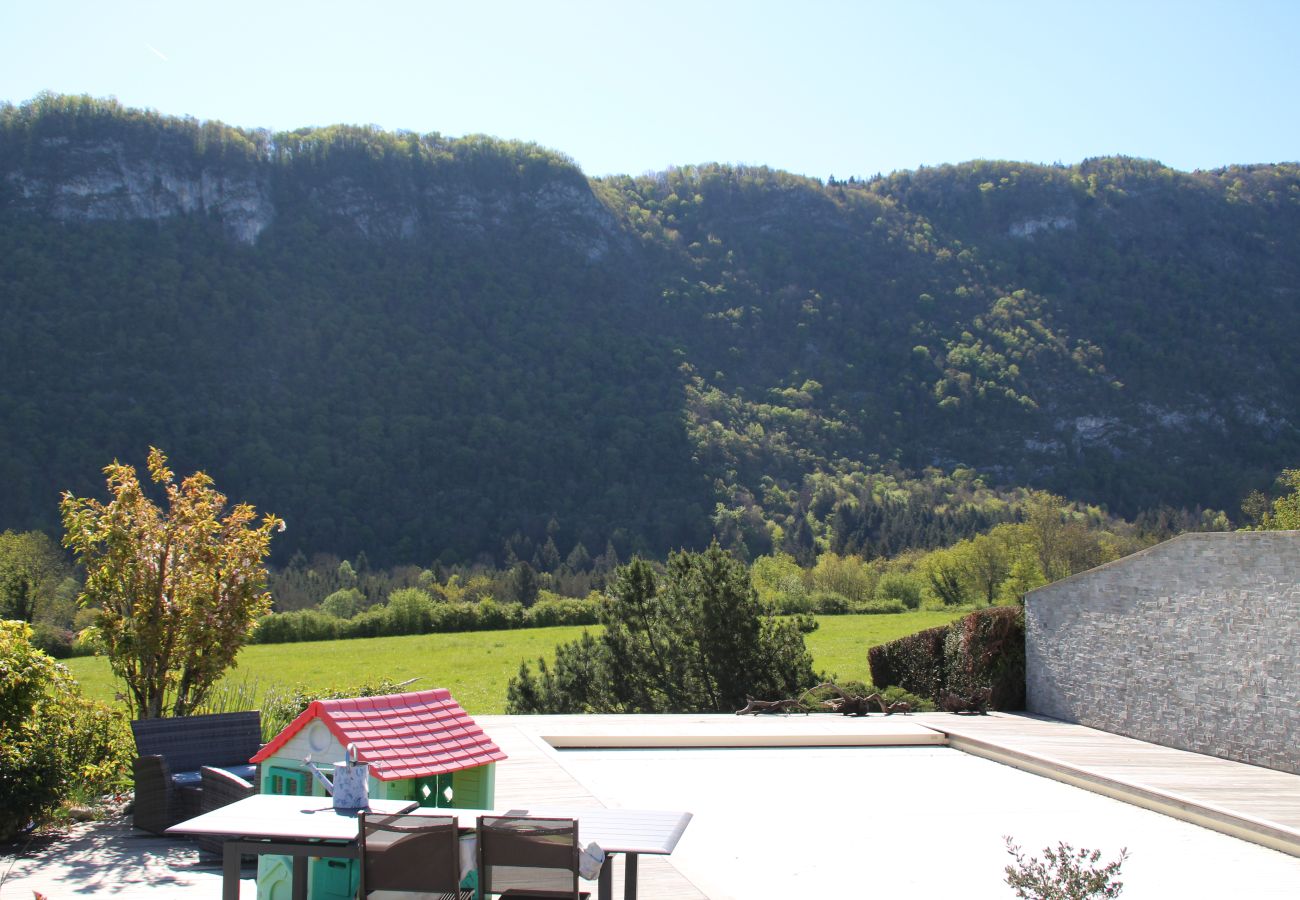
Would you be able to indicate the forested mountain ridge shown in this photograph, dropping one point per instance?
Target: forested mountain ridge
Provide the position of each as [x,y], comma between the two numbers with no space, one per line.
[419,347]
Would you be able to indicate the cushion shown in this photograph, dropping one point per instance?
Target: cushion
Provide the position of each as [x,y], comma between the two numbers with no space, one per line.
[194,779]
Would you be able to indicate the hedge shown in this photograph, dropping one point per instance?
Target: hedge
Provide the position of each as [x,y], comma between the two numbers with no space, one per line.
[915,663]
[413,612]
[981,652]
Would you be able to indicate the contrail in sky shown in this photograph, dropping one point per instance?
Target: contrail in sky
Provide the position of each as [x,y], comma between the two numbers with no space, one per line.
[156,52]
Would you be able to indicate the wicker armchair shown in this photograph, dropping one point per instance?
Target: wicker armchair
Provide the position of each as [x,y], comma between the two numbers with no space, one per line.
[220,788]
[169,786]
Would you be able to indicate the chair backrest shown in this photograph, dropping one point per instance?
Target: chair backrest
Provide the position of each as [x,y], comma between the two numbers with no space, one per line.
[188,742]
[409,853]
[536,855]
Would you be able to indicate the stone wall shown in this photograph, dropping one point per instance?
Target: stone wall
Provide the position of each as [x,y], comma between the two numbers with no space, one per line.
[1193,643]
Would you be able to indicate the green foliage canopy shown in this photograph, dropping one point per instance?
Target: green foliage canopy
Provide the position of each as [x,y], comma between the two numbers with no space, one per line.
[693,640]
[55,744]
[177,591]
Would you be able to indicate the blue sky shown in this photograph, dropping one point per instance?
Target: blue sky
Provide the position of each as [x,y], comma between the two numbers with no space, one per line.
[818,88]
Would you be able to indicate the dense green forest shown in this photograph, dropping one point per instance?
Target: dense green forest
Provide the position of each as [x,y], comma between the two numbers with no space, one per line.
[446,351]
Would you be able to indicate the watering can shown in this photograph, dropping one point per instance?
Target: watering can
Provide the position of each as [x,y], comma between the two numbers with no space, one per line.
[351,786]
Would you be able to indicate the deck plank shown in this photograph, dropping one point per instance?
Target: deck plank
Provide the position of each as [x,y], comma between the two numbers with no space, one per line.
[1244,800]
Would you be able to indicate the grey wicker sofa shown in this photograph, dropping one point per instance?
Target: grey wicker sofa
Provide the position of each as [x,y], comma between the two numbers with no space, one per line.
[191,764]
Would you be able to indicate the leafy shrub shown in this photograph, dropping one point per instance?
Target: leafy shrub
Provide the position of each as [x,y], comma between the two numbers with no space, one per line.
[896,694]
[371,623]
[493,616]
[55,744]
[344,603]
[914,663]
[1067,874]
[552,610]
[829,603]
[416,611]
[52,640]
[409,611]
[280,707]
[880,607]
[981,652]
[985,651]
[451,617]
[299,625]
[87,642]
[903,588]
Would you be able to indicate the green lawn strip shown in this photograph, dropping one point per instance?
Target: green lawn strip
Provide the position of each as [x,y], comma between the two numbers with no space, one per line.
[477,665]
[839,645]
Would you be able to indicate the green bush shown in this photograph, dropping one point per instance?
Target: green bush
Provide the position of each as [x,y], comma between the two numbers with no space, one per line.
[914,663]
[903,588]
[494,616]
[343,603]
[53,640]
[409,611]
[552,610]
[829,603]
[416,611]
[299,625]
[982,653]
[985,652]
[452,617]
[55,744]
[880,607]
[280,707]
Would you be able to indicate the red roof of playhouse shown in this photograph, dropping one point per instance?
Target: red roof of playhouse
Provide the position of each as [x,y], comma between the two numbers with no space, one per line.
[401,735]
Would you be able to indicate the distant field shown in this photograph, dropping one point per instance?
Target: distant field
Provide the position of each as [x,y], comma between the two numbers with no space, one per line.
[839,645]
[477,665]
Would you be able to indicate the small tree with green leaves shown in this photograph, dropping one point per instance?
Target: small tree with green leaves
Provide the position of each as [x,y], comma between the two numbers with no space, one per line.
[1280,514]
[178,591]
[31,569]
[692,640]
[1063,874]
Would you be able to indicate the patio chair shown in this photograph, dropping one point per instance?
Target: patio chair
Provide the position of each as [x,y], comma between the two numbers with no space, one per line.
[170,754]
[523,857]
[220,787]
[410,854]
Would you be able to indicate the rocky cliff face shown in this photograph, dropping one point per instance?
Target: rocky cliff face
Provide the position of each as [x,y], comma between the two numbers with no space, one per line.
[103,181]
[107,181]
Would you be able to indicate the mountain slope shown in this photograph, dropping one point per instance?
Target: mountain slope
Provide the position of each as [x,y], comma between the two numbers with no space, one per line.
[421,347]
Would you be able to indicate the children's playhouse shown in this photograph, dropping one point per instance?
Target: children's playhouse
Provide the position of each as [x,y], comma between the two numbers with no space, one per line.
[420,746]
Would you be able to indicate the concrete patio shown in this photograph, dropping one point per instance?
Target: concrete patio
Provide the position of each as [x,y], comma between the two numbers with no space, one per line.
[826,804]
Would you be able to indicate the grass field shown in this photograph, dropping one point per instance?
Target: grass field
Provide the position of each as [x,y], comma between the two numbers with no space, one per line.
[476,666]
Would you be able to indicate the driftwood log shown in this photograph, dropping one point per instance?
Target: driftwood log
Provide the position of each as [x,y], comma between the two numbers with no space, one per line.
[844,703]
[973,704]
[755,707]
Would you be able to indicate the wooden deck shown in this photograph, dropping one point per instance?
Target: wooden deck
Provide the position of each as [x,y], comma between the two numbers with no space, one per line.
[1249,802]
[112,859]
[535,776]
[1259,805]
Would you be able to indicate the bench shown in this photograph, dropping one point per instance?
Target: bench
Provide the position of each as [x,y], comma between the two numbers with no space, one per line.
[188,765]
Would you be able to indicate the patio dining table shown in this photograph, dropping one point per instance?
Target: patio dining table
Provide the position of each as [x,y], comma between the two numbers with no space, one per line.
[306,827]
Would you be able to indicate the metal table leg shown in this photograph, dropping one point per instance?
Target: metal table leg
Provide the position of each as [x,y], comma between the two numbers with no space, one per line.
[629,877]
[299,878]
[230,870]
[605,886]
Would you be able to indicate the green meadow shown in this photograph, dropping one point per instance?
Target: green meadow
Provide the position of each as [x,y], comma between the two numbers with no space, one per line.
[477,665]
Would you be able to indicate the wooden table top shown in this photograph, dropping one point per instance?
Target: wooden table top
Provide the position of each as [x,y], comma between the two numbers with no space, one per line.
[314,818]
[652,831]
[285,816]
